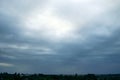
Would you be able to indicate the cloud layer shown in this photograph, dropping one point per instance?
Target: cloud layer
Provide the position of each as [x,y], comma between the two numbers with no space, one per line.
[49,36]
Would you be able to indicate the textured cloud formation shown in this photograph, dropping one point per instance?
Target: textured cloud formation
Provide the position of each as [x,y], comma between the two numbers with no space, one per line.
[60,36]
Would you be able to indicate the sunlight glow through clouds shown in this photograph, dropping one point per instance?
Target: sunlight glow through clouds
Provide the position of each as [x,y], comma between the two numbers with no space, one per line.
[48,23]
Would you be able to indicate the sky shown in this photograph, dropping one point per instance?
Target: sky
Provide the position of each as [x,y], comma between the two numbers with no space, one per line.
[60,36]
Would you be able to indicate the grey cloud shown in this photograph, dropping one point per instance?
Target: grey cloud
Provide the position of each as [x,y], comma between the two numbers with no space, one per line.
[96,49]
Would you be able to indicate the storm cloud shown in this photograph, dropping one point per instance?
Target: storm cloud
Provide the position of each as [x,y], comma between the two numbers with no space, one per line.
[60,36]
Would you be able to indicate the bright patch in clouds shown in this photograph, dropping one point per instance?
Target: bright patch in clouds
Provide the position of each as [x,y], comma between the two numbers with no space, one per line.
[6,65]
[48,24]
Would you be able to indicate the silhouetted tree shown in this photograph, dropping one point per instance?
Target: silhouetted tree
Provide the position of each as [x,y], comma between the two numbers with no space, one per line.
[90,77]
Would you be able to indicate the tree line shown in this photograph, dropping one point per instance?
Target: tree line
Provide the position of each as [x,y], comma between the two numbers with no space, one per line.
[21,76]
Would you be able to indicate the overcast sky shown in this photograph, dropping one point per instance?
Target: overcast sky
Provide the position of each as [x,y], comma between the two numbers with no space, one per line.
[60,36]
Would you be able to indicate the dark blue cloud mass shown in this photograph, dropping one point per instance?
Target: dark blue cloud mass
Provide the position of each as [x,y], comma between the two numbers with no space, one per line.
[60,37]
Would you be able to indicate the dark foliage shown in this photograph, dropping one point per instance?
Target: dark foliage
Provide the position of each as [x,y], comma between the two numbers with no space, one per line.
[18,76]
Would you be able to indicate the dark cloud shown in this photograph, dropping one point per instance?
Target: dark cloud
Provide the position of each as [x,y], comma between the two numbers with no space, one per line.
[90,45]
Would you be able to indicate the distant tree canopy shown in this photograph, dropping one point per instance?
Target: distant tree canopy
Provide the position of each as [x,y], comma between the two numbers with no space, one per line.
[90,77]
[18,76]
